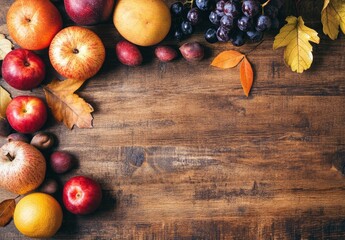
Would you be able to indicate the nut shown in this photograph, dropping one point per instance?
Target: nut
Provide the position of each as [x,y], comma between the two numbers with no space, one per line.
[43,140]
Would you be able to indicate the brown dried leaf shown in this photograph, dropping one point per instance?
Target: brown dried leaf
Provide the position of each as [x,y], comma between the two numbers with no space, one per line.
[246,76]
[68,107]
[227,59]
[6,211]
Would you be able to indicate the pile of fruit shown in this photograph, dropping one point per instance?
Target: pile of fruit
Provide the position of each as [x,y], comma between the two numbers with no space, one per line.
[78,53]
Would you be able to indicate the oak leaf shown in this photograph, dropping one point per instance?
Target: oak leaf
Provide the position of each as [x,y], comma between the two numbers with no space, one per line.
[6,211]
[246,76]
[227,59]
[295,36]
[5,99]
[68,107]
[333,17]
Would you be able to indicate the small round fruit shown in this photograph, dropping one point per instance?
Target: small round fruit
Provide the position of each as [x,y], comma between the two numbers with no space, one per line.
[18,137]
[61,161]
[38,215]
[33,23]
[211,35]
[165,53]
[192,51]
[23,69]
[144,23]
[81,195]
[49,186]
[43,140]
[26,114]
[5,127]
[128,53]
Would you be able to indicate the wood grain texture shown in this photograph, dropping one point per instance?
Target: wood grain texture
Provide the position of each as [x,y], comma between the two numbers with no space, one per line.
[181,153]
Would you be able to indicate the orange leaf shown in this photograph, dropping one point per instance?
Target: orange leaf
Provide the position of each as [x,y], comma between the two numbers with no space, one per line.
[68,107]
[246,76]
[6,211]
[227,59]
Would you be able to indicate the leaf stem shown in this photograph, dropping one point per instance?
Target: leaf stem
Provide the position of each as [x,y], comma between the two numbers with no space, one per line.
[257,45]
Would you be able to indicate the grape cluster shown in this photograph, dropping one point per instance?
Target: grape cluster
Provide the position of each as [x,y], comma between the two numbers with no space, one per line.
[232,21]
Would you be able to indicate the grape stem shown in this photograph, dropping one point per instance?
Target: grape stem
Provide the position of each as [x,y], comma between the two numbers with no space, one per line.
[190,2]
[263,6]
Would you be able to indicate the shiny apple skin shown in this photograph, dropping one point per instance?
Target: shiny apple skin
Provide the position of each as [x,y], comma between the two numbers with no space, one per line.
[81,195]
[26,114]
[23,69]
[77,52]
[89,12]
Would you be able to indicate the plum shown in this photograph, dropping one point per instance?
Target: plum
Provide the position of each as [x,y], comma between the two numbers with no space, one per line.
[128,53]
[165,53]
[192,51]
[61,161]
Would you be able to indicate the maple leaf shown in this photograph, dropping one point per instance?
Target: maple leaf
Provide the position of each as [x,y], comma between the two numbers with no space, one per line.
[5,99]
[246,76]
[227,59]
[333,17]
[295,36]
[68,107]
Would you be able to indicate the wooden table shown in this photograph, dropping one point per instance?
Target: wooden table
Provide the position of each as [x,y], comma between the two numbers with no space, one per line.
[181,153]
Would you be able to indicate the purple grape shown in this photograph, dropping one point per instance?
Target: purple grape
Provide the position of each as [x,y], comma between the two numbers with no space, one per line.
[263,23]
[227,21]
[214,18]
[237,38]
[176,9]
[255,36]
[250,8]
[244,23]
[178,34]
[187,28]
[271,11]
[231,9]
[211,35]
[203,5]
[220,5]
[223,34]
[193,16]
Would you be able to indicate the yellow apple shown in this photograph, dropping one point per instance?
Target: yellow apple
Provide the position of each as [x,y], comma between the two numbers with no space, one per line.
[144,23]
[77,52]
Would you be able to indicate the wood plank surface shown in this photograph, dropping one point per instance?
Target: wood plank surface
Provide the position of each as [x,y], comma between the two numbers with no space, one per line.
[181,153]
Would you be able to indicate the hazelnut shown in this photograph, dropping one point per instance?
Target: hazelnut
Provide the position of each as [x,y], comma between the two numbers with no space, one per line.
[43,140]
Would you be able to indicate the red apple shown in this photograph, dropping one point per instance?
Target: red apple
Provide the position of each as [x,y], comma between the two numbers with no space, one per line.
[77,52]
[89,12]
[26,114]
[23,69]
[81,195]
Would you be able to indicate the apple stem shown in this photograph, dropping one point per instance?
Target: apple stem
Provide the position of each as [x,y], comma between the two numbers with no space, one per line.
[75,51]
[8,155]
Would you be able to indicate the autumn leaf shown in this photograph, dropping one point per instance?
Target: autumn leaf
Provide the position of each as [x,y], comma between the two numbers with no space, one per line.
[333,17]
[5,99]
[5,46]
[6,211]
[246,76]
[68,107]
[295,36]
[227,59]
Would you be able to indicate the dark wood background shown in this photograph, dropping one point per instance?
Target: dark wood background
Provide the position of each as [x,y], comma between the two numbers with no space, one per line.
[181,153]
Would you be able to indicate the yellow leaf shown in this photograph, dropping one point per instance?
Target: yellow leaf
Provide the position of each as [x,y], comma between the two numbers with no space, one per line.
[5,99]
[5,46]
[333,17]
[246,76]
[295,36]
[68,107]
[227,59]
